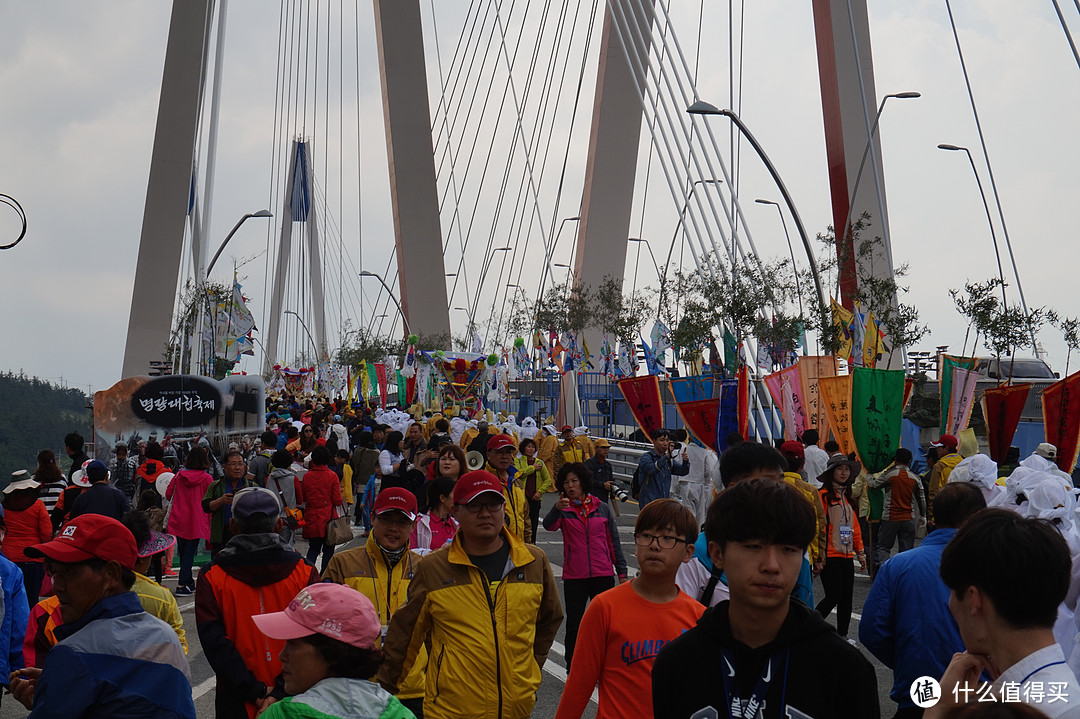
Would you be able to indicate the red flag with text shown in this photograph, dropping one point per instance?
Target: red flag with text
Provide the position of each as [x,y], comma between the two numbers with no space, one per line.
[1002,407]
[699,416]
[380,372]
[1061,418]
[643,397]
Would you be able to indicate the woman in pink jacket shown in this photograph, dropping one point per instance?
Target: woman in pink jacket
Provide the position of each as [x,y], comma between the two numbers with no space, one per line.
[320,491]
[187,521]
[592,554]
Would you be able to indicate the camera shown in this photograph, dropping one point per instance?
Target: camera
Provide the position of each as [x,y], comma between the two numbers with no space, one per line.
[619,492]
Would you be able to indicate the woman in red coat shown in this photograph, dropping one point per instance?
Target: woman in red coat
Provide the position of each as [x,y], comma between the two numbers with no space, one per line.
[320,493]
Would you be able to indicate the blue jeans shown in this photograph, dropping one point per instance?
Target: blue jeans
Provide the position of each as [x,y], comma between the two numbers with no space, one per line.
[186,549]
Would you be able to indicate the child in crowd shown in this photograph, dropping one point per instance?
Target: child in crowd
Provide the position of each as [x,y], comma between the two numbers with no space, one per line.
[624,628]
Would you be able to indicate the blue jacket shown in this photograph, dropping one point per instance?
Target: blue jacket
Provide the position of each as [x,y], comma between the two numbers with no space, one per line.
[116,661]
[654,473]
[16,615]
[906,622]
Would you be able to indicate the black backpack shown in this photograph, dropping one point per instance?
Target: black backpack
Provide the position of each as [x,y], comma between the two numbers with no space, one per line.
[635,483]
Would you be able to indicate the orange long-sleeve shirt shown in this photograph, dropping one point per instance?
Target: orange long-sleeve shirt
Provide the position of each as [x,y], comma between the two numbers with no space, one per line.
[620,636]
[25,528]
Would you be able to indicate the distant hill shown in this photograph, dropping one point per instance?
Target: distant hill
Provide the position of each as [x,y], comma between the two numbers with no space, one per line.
[35,415]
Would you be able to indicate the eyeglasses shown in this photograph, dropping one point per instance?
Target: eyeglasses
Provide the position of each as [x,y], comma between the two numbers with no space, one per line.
[664,541]
[492,506]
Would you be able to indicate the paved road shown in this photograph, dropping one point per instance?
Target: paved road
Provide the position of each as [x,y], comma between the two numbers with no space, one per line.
[202,677]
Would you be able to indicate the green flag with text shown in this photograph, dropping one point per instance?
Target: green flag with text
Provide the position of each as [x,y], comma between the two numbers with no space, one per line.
[877,405]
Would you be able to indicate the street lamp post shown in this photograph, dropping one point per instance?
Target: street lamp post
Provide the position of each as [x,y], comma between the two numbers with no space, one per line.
[651,255]
[306,331]
[791,250]
[986,206]
[682,215]
[862,163]
[704,108]
[404,319]
[245,218]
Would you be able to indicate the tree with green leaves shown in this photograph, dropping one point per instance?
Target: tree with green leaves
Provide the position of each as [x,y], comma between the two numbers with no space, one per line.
[1004,329]
[622,316]
[1070,333]
[876,292]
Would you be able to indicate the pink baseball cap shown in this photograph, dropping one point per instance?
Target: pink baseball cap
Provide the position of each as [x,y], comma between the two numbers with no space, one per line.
[333,610]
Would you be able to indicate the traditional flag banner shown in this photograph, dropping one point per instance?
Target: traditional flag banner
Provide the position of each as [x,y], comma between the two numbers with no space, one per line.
[652,365]
[731,352]
[380,374]
[727,414]
[689,389]
[836,398]
[811,370]
[858,333]
[716,364]
[877,406]
[1061,418]
[873,341]
[699,417]
[1002,407]
[961,399]
[402,393]
[842,319]
[743,407]
[945,375]
[643,397]
[372,381]
[785,387]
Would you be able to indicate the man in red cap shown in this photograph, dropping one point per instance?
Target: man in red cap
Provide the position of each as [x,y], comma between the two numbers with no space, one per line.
[948,458]
[476,605]
[92,564]
[501,451]
[382,569]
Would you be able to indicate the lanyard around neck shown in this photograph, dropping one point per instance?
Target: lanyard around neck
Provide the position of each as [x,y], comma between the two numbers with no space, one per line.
[748,709]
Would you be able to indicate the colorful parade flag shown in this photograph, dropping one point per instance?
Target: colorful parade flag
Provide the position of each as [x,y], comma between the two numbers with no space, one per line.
[945,375]
[700,417]
[727,414]
[380,375]
[836,399]
[961,400]
[785,386]
[731,352]
[811,370]
[873,342]
[1061,419]
[643,398]
[877,406]
[858,333]
[651,364]
[743,377]
[1002,407]
[689,389]
[842,319]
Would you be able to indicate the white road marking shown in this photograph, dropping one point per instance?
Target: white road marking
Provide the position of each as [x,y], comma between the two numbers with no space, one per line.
[203,688]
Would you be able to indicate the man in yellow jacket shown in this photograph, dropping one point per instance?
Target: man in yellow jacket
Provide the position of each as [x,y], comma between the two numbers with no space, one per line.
[382,569]
[500,462]
[948,458]
[486,606]
[796,458]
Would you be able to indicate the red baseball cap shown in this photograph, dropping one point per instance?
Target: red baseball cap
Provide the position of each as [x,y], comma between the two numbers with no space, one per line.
[396,499]
[472,484]
[566,428]
[795,449]
[90,536]
[500,441]
[946,440]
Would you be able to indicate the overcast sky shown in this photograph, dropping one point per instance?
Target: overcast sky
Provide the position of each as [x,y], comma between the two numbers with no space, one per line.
[79,83]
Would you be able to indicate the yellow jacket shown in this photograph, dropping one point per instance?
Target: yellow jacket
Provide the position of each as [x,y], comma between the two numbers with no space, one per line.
[545,449]
[346,485]
[158,601]
[468,436]
[568,452]
[365,570]
[517,508]
[817,547]
[486,642]
[939,477]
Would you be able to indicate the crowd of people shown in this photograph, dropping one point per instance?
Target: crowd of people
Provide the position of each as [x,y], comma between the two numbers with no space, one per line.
[447,608]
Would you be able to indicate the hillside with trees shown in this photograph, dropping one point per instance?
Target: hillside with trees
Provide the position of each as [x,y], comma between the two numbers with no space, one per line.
[36,415]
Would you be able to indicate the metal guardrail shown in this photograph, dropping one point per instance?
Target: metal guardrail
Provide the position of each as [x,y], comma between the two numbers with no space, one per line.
[624,458]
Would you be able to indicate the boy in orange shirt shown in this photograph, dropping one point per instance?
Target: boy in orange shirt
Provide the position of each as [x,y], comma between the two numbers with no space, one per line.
[624,628]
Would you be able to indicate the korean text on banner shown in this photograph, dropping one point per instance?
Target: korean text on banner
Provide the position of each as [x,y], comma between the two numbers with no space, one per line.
[643,397]
[1061,418]
[700,417]
[812,369]
[877,406]
[945,367]
[961,400]
[836,397]
[1002,407]
[785,387]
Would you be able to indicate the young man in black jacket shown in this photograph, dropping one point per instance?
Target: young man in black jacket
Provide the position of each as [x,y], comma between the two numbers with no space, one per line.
[773,653]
